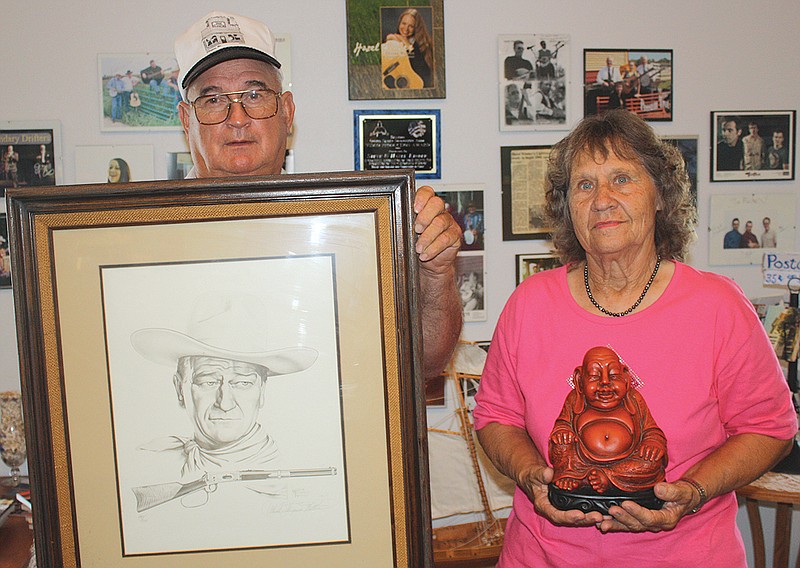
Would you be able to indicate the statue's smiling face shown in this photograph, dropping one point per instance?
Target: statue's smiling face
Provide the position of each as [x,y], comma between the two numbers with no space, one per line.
[604,379]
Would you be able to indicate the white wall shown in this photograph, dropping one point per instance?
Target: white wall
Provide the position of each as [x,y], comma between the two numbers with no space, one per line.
[727,55]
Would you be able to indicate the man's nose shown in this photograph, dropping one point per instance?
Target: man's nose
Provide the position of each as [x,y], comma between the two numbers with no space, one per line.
[238,116]
[225,400]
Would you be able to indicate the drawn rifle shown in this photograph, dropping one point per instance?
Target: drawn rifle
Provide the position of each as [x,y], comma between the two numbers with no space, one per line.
[149,496]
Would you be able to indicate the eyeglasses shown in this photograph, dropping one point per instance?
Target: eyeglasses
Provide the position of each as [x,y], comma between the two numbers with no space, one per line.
[215,109]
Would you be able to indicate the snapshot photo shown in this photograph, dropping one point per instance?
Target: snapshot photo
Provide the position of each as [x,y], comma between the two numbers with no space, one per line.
[533,81]
[752,145]
[395,52]
[470,282]
[466,207]
[138,91]
[30,154]
[113,164]
[687,145]
[523,170]
[638,80]
[179,164]
[744,227]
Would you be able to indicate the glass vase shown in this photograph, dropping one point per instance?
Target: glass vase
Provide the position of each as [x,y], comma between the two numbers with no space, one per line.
[12,435]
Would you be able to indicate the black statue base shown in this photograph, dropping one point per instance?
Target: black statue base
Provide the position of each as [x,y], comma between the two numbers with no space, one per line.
[589,500]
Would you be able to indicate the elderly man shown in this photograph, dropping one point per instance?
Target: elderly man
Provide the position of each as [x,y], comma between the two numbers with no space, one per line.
[237,119]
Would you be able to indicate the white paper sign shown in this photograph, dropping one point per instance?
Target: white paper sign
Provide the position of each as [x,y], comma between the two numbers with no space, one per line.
[780,267]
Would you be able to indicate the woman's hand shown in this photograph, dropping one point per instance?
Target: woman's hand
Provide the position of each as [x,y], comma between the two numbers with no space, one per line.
[679,499]
[535,483]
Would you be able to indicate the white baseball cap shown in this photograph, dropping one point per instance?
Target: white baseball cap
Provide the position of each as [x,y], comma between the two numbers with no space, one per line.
[218,37]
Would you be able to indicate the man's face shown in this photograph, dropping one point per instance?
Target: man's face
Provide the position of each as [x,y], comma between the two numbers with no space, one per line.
[753,129]
[513,96]
[223,398]
[735,224]
[766,222]
[730,133]
[604,379]
[518,48]
[748,227]
[777,139]
[241,145]
[609,61]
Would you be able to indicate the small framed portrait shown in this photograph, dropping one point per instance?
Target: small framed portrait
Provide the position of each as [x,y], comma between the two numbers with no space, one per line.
[529,264]
[179,164]
[138,91]
[465,204]
[395,51]
[638,80]
[471,285]
[394,139]
[523,170]
[752,145]
[30,153]
[5,254]
[745,226]
[114,164]
[533,81]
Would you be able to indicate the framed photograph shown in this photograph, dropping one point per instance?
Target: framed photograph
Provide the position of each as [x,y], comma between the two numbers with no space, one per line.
[472,285]
[639,80]
[179,164]
[192,358]
[687,145]
[465,204]
[523,170]
[744,227]
[529,264]
[30,154]
[114,164]
[395,50]
[394,139]
[138,91]
[5,257]
[752,145]
[533,81]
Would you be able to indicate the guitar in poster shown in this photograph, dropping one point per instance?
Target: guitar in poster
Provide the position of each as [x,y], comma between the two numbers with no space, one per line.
[396,51]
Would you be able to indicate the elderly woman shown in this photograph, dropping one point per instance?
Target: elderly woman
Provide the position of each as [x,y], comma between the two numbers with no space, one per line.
[618,199]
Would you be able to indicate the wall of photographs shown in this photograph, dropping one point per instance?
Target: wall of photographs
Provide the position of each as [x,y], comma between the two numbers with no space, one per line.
[701,62]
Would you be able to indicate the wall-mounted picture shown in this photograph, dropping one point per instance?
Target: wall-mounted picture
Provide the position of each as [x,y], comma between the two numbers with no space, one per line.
[638,80]
[5,255]
[743,227]
[465,204]
[752,145]
[30,154]
[471,285]
[687,145]
[523,170]
[529,264]
[392,139]
[113,164]
[179,164]
[533,81]
[138,91]
[395,51]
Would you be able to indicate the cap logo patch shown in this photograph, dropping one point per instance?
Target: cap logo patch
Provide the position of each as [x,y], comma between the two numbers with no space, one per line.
[221,30]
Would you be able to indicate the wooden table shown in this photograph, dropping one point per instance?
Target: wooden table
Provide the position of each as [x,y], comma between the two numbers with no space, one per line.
[782,490]
[15,542]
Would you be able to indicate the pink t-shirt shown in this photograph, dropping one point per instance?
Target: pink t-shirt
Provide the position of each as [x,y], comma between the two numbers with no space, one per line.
[708,372]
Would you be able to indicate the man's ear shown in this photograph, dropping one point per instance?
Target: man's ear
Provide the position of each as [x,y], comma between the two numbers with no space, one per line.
[178,383]
[183,114]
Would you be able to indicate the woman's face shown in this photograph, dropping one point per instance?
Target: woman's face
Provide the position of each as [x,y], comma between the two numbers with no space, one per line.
[406,26]
[613,204]
[114,171]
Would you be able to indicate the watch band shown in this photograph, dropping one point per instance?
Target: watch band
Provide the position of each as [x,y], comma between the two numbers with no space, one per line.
[700,490]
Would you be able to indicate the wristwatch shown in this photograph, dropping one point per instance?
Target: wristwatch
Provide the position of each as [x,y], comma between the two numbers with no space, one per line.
[700,489]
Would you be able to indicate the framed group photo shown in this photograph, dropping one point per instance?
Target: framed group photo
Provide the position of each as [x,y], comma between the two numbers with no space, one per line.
[172,293]
[465,204]
[394,139]
[523,170]
[533,81]
[638,80]
[753,145]
[30,154]
[395,50]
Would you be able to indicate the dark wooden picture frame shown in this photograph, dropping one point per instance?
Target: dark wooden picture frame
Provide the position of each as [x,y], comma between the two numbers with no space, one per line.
[67,366]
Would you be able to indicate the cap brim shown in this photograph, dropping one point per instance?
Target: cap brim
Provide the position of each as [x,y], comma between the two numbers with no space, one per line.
[166,346]
[225,54]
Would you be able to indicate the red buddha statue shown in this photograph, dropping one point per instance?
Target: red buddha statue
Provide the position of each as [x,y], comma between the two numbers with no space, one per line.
[605,438]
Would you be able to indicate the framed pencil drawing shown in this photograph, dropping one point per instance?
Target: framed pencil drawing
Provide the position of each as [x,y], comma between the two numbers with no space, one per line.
[523,170]
[752,145]
[218,357]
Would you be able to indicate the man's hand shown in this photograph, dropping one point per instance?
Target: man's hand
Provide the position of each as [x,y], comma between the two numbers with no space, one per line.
[439,235]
